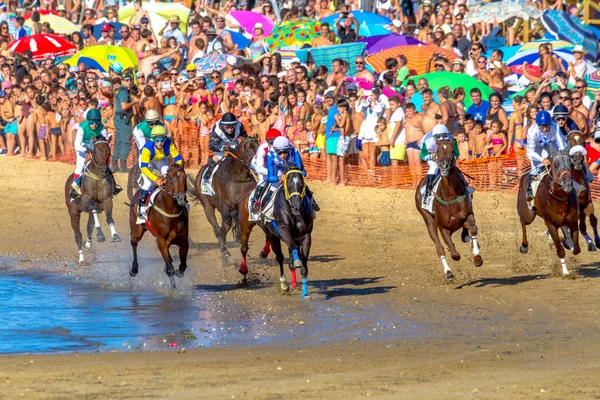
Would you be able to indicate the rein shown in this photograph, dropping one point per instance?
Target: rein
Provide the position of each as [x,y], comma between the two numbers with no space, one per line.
[163,212]
[289,195]
[458,199]
[88,172]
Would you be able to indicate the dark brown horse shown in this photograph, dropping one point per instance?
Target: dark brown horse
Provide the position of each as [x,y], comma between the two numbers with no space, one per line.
[230,179]
[167,220]
[293,224]
[584,194]
[555,202]
[452,209]
[96,196]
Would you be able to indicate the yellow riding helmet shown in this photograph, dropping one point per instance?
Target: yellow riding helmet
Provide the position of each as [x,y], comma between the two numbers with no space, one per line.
[158,131]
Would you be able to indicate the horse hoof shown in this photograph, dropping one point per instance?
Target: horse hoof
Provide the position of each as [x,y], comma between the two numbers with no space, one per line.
[449,276]
[88,245]
[179,273]
[225,253]
[568,276]
[133,272]
[466,239]
[285,289]
[306,297]
[262,255]
[524,249]
[591,246]
[478,261]
[597,242]
[101,238]
[116,238]
[244,282]
[456,257]
[298,264]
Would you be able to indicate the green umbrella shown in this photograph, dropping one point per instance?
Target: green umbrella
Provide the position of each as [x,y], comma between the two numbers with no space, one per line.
[454,80]
[294,34]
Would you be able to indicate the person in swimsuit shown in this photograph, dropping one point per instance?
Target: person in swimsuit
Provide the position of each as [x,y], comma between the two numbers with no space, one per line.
[515,124]
[448,113]
[496,112]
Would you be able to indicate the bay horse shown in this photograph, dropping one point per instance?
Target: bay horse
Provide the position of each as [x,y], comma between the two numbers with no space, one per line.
[96,196]
[584,194]
[231,177]
[292,224]
[452,209]
[555,202]
[168,221]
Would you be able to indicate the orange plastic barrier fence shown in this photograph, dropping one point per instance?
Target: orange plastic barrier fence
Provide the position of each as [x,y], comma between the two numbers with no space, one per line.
[490,174]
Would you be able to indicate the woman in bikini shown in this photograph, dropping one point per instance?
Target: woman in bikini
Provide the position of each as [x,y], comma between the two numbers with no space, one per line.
[458,97]
[516,132]
[448,114]
[496,112]
[168,98]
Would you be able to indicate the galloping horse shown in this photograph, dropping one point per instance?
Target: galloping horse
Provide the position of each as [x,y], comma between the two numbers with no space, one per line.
[167,220]
[452,209]
[555,201]
[96,196]
[584,194]
[293,223]
[229,180]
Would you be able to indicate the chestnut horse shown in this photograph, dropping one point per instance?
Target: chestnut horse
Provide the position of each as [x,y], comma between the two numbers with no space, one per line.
[452,209]
[167,220]
[584,194]
[292,224]
[556,202]
[96,196]
[232,176]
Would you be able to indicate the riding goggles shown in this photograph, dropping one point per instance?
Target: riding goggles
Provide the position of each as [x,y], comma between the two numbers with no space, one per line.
[159,139]
[441,136]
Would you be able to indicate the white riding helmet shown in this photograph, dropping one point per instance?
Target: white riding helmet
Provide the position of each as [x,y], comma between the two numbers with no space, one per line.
[440,132]
[281,144]
[151,115]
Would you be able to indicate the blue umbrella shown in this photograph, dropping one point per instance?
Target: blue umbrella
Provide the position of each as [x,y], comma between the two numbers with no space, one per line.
[362,17]
[98,30]
[567,27]
[91,63]
[241,40]
[368,30]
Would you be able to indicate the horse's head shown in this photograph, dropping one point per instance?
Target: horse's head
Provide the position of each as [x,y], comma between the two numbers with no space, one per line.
[246,150]
[101,156]
[295,189]
[176,184]
[560,171]
[578,151]
[445,156]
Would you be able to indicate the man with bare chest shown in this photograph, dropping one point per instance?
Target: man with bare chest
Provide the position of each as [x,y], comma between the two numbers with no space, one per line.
[336,77]
[430,109]
[413,127]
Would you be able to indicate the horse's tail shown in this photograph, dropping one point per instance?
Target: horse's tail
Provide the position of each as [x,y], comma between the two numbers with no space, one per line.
[191,187]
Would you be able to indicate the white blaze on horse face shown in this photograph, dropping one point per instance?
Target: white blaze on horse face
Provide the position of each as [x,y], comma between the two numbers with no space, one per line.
[446,267]
[475,245]
[96,219]
[563,264]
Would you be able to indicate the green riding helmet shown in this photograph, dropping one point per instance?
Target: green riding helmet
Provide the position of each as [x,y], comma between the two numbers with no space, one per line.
[93,116]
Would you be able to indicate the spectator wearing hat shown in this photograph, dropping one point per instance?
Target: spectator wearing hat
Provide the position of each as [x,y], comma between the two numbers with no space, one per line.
[577,69]
[215,45]
[224,34]
[89,17]
[258,46]
[105,38]
[171,29]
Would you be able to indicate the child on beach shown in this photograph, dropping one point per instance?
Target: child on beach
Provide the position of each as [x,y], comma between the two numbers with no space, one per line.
[383,141]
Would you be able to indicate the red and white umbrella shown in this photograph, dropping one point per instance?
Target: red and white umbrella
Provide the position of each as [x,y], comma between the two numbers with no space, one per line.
[44,46]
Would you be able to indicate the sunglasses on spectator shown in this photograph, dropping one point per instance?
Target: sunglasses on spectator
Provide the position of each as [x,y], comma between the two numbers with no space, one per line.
[174,73]
[62,69]
[124,31]
[359,62]
[439,65]
[560,118]
[26,82]
[565,98]
[264,81]
[93,86]
[238,74]
[579,87]
[575,98]
[126,79]
[216,77]
[80,83]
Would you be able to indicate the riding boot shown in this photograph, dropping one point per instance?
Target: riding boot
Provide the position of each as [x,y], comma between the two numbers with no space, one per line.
[428,186]
[75,188]
[209,170]
[143,200]
[529,189]
[111,178]
[255,200]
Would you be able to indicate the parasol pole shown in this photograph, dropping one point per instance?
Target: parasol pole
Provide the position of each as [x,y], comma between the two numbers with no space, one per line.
[526,31]
[276,10]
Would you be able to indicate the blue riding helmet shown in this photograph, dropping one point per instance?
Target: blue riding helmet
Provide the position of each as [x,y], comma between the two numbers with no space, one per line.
[543,118]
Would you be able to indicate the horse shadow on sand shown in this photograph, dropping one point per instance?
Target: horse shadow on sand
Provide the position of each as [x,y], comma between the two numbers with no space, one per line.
[509,281]
[347,287]
[589,270]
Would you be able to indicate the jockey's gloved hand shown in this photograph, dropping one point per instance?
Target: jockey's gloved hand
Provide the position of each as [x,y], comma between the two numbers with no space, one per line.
[224,148]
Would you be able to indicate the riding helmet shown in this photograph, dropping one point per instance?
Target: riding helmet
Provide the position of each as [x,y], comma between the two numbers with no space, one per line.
[543,118]
[272,134]
[281,144]
[152,115]
[228,119]
[158,131]
[440,130]
[93,116]
[560,111]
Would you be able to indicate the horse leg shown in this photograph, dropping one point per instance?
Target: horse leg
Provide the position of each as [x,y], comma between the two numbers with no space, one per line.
[567,241]
[108,209]
[264,253]
[286,236]
[470,225]
[246,229]
[526,215]
[583,230]
[575,236]
[305,251]
[209,211]
[465,236]
[560,250]
[75,221]
[90,230]
[226,222]
[137,232]
[184,245]
[594,224]
[433,234]
[276,246]
[99,234]
[163,246]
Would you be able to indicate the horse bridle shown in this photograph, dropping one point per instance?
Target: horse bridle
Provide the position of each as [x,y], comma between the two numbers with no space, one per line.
[560,172]
[90,174]
[243,162]
[289,195]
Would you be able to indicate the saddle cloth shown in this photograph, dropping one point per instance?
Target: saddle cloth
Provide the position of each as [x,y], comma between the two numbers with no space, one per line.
[142,216]
[436,183]
[535,183]
[266,209]
[206,187]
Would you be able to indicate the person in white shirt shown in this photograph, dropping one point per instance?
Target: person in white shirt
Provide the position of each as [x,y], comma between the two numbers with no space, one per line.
[397,131]
[577,69]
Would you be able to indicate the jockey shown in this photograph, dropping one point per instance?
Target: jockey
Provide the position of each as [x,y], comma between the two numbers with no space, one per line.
[143,130]
[259,165]
[565,124]
[223,137]
[88,132]
[154,155]
[540,137]
[428,150]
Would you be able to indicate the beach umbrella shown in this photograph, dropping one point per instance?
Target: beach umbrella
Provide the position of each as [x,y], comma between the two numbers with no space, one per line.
[500,12]
[60,25]
[43,46]
[240,40]
[361,17]
[28,15]
[293,34]
[213,62]
[326,54]
[417,56]
[247,20]
[593,82]
[566,26]
[98,29]
[529,53]
[104,55]
[368,30]
[158,13]
[90,63]
[453,80]
[378,43]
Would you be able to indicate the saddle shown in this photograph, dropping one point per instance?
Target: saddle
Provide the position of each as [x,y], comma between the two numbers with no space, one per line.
[436,183]
[142,217]
[267,210]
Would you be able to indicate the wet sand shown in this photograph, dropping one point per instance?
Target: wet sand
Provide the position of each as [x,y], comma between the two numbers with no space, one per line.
[510,329]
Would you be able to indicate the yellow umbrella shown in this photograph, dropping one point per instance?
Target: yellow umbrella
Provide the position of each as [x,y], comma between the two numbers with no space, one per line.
[60,25]
[159,13]
[104,55]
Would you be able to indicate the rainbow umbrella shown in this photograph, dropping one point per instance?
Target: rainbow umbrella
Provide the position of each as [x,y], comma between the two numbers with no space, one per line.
[500,12]
[593,82]
[529,53]
[247,20]
[60,25]
[294,34]
[361,17]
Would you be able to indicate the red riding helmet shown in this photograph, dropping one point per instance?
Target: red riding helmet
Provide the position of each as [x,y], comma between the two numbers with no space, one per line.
[272,134]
